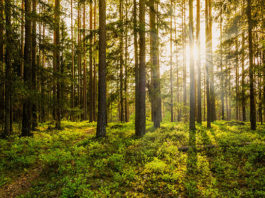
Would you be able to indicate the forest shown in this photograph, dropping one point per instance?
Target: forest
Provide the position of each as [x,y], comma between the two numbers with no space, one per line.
[132,98]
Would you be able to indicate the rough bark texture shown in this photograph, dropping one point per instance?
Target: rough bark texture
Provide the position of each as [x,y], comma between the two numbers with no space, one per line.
[84,65]
[141,126]
[90,95]
[155,74]
[199,103]
[101,124]
[121,63]
[136,60]
[27,105]
[251,69]
[192,76]
[34,65]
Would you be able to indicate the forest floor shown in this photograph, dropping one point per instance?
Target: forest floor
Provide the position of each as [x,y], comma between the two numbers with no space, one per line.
[73,163]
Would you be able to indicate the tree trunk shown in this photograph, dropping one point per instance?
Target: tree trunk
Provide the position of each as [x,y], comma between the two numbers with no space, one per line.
[221,64]
[126,66]
[199,111]
[34,65]
[155,78]
[121,62]
[84,66]
[136,60]
[57,64]
[251,69]
[95,66]
[171,67]
[91,63]
[2,106]
[27,105]
[209,110]
[237,81]
[244,117]
[184,57]
[72,64]
[141,127]
[192,76]
[101,124]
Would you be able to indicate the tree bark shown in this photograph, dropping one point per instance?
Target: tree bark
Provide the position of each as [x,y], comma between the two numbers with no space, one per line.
[136,62]
[155,77]
[199,111]
[251,69]
[121,62]
[34,65]
[84,65]
[91,63]
[141,126]
[101,124]
[57,64]
[27,105]
[192,76]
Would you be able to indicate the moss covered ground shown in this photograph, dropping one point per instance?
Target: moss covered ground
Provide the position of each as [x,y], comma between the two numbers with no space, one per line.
[73,163]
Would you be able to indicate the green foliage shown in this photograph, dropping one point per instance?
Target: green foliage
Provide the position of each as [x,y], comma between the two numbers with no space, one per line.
[76,164]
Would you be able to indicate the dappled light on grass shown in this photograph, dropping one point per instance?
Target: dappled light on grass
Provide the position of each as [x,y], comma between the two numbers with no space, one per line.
[75,163]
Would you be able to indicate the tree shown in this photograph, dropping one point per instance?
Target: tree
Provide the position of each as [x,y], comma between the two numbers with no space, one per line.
[84,65]
[155,73]
[192,76]
[2,58]
[199,111]
[207,64]
[91,63]
[27,105]
[102,113]
[171,67]
[34,64]
[251,69]
[121,62]
[57,64]
[140,126]
[136,60]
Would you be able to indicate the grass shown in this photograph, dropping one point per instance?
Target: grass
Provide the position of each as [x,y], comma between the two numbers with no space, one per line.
[73,163]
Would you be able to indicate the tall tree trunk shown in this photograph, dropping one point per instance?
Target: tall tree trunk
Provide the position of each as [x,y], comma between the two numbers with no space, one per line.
[192,75]
[208,64]
[72,64]
[27,105]
[244,117]
[251,69]
[91,63]
[136,62]
[34,64]
[184,57]
[141,126]
[8,70]
[171,67]
[212,89]
[121,62]
[101,124]
[2,106]
[22,38]
[57,64]
[237,81]
[155,78]
[199,111]
[79,58]
[126,65]
[221,65]
[95,66]
[84,66]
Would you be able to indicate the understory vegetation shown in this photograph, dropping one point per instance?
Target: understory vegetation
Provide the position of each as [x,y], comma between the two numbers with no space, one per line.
[73,163]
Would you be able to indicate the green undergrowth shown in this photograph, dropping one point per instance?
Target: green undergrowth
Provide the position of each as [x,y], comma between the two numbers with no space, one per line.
[76,164]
